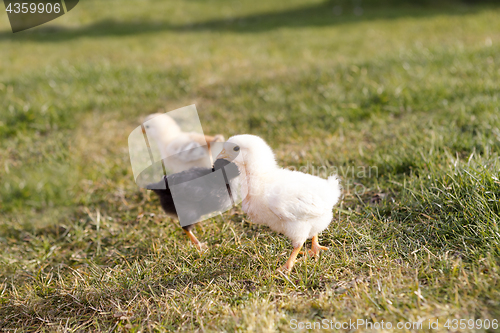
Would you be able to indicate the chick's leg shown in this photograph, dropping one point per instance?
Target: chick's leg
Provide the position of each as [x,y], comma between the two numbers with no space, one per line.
[316,248]
[293,257]
[199,245]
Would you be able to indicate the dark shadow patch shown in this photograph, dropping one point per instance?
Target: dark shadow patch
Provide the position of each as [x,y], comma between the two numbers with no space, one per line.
[317,15]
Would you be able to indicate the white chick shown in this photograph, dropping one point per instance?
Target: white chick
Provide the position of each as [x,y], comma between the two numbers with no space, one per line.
[293,203]
[182,150]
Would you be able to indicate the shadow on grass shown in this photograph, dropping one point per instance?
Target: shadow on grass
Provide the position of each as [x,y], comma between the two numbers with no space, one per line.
[328,13]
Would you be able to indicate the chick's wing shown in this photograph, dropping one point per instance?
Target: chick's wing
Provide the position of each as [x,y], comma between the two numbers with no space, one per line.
[294,202]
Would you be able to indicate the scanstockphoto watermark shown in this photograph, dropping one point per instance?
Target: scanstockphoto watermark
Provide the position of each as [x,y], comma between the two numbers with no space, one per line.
[364,324]
[351,175]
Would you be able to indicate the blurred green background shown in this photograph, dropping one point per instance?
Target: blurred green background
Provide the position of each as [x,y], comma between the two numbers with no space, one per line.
[408,88]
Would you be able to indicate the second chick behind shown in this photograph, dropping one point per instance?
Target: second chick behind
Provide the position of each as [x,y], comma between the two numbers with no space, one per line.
[185,150]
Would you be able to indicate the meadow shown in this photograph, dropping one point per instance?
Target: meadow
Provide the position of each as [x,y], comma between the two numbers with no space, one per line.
[402,98]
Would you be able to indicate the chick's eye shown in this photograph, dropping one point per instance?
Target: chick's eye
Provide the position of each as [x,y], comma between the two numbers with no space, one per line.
[236,148]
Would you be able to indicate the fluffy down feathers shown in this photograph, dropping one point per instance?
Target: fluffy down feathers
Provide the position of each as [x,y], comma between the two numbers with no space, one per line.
[293,203]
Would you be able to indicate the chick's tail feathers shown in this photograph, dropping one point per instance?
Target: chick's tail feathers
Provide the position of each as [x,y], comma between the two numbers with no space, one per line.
[334,183]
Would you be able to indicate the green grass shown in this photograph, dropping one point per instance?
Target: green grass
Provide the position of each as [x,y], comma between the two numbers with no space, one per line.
[407,91]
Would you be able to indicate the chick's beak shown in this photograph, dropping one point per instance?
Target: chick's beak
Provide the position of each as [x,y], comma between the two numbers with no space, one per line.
[223,155]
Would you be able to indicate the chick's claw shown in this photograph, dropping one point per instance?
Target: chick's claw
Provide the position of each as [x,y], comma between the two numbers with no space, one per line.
[202,247]
[287,267]
[316,248]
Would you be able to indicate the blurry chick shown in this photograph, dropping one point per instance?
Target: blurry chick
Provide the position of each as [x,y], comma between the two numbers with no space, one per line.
[202,197]
[293,203]
[184,150]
